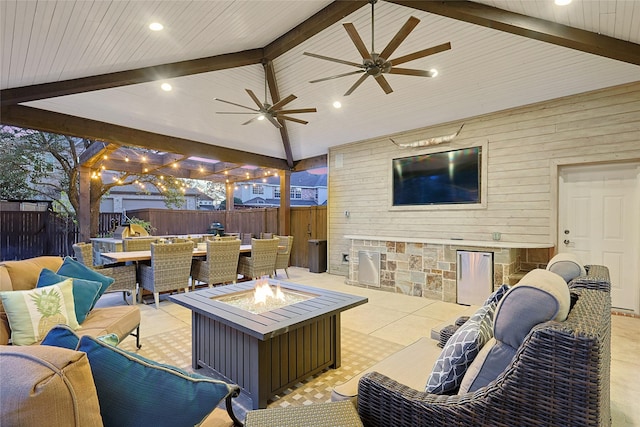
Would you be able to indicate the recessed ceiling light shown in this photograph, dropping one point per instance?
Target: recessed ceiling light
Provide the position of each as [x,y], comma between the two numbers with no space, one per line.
[433,72]
[562,2]
[261,117]
[166,87]
[156,26]
[337,104]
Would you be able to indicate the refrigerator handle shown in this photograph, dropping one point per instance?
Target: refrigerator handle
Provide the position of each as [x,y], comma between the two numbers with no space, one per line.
[459,266]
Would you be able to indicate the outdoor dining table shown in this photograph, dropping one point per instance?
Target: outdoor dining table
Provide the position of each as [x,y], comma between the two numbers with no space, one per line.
[146,255]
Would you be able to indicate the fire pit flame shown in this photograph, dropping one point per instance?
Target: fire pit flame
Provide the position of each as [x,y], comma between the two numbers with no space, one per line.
[264,292]
[265,296]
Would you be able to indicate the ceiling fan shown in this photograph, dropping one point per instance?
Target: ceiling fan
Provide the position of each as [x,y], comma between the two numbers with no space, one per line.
[273,113]
[376,64]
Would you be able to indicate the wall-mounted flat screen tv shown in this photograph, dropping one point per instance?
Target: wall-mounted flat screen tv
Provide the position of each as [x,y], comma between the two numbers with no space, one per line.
[449,177]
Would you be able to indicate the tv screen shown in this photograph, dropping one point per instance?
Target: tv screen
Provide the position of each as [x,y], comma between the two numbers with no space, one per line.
[449,177]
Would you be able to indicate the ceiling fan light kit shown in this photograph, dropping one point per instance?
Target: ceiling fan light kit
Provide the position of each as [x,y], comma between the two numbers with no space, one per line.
[377,64]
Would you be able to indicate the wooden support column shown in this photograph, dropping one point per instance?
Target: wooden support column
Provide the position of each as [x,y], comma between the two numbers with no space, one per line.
[284,213]
[229,205]
[84,216]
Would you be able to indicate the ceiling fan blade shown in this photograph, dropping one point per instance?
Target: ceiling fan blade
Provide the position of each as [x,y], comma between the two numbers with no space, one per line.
[251,120]
[255,99]
[229,112]
[355,38]
[273,120]
[298,111]
[384,84]
[411,72]
[293,119]
[328,58]
[283,102]
[399,37]
[233,103]
[421,53]
[356,84]
[337,76]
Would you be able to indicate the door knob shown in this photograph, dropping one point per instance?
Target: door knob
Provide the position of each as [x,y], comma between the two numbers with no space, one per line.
[567,241]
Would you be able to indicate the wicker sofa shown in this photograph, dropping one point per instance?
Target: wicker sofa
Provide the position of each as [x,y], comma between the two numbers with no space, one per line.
[23,275]
[559,376]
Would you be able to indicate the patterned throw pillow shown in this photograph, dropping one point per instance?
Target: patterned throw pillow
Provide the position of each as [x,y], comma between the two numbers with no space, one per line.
[460,350]
[72,268]
[133,390]
[497,295]
[85,292]
[33,313]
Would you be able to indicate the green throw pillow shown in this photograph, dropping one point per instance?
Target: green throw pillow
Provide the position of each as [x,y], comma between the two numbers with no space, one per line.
[85,292]
[33,313]
[72,268]
[134,391]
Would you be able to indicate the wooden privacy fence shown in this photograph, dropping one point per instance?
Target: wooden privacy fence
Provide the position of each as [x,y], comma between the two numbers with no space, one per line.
[28,234]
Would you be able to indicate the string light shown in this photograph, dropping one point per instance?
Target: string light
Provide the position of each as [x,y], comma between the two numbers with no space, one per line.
[126,159]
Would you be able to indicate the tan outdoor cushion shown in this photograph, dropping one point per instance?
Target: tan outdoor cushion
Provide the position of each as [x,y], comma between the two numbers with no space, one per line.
[47,386]
[410,366]
[218,418]
[119,320]
[24,274]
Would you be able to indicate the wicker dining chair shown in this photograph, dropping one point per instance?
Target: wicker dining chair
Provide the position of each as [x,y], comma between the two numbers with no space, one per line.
[221,265]
[169,270]
[125,275]
[284,252]
[262,260]
[137,244]
[245,238]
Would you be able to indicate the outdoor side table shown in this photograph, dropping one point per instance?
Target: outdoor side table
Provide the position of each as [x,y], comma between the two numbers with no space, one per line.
[331,414]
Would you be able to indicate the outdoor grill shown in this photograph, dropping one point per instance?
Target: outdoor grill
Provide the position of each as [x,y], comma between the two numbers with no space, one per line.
[216,228]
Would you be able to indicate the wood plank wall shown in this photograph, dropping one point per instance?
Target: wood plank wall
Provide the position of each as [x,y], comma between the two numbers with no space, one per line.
[525,147]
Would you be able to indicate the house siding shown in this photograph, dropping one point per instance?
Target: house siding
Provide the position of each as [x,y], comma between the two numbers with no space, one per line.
[525,148]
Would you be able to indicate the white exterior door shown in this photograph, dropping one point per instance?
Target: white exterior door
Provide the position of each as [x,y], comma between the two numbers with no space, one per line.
[599,221]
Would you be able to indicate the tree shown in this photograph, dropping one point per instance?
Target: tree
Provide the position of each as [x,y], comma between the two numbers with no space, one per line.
[44,165]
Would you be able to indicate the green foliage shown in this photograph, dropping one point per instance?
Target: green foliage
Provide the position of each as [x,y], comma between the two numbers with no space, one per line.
[142,223]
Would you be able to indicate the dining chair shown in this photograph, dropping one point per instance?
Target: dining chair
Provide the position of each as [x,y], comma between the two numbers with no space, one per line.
[262,260]
[266,235]
[221,265]
[137,244]
[284,252]
[169,270]
[124,275]
[246,238]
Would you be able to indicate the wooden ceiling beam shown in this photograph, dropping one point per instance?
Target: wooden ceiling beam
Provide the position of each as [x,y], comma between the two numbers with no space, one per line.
[311,163]
[96,151]
[530,27]
[129,77]
[328,16]
[49,121]
[272,83]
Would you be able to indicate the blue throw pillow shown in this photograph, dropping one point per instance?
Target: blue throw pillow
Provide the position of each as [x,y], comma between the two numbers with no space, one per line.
[73,268]
[61,336]
[85,292]
[460,350]
[134,391]
[497,295]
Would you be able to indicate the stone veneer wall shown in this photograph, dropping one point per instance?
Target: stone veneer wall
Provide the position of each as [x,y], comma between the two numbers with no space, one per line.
[429,270]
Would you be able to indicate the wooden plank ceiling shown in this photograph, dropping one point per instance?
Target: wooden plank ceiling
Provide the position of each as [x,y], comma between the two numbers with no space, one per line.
[94,69]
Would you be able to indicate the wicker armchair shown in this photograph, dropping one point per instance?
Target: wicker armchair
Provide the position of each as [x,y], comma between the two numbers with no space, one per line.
[169,270]
[125,275]
[262,260]
[560,376]
[137,244]
[246,238]
[282,259]
[221,265]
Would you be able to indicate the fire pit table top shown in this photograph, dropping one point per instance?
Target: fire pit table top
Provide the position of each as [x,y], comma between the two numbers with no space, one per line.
[268,324]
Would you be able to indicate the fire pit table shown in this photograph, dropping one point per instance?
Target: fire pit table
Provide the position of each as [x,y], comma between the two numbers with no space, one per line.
[266,347]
